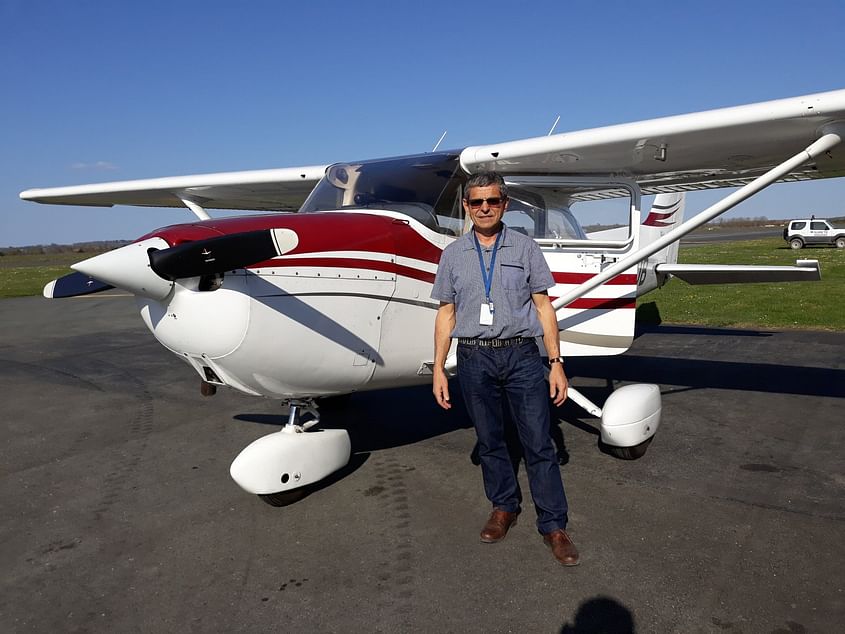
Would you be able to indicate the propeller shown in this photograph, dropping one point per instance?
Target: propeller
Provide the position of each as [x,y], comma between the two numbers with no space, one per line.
[218,255]
[149,267]
[73,285]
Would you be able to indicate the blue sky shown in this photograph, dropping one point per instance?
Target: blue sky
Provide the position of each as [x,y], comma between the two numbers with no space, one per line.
[97,91]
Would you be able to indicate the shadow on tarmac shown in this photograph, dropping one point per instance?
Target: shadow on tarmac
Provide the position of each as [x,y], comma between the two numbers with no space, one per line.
[386,419]
[700,373]
[383,419]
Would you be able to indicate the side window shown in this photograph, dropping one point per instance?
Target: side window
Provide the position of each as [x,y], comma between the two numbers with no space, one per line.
[569,211]
[797,226]
[818,226]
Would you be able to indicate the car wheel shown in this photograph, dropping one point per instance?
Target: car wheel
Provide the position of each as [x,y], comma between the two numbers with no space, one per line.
[840,243]
[796,243]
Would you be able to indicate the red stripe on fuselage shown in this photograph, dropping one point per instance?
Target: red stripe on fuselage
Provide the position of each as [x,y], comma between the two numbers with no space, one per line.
[317,232]
[580,278]
[328,231]
[598,303]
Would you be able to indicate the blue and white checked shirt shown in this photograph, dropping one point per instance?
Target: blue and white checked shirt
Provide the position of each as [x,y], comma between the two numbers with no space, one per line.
[520,270]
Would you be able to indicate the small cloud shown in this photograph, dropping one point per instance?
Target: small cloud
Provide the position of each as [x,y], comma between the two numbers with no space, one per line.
[102,166]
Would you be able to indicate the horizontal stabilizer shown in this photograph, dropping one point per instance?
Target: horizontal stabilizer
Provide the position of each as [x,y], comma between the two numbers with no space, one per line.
[803,271]
[73,285]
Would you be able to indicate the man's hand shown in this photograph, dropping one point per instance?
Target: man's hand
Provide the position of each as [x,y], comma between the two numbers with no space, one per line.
[444,323]
[558,384]
[441,388]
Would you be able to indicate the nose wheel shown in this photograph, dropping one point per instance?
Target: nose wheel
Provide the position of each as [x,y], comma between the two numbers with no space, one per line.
[298,407]
[280,467]
[283,498]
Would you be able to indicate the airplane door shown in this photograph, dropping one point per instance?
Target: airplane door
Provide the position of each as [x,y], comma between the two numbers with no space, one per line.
[583,225]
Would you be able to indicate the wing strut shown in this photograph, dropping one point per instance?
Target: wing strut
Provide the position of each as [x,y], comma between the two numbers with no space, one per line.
[833,135]
[199,212]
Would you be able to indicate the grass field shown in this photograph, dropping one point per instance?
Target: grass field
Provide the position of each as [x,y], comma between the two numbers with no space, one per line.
[22,275]
[816,305]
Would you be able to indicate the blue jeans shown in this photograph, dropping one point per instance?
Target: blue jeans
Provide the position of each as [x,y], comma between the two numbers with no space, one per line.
[487,376]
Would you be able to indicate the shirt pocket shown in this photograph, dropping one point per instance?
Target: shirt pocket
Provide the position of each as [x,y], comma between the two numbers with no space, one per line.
[513,276]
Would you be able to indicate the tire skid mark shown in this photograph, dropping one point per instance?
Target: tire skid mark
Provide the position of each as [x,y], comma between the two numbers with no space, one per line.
[103,377]
[396,570]
[117,482]
[48,373]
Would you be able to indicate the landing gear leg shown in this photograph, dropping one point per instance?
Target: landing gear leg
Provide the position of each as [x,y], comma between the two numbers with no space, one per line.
[297,408]
[293,426]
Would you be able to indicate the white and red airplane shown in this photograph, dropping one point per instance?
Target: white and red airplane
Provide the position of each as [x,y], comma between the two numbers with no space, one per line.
[334,298]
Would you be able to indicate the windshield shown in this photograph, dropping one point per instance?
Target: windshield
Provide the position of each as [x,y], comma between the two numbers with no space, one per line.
[426,187]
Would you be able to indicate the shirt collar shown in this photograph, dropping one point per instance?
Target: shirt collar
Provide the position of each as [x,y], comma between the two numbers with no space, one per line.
[468,244]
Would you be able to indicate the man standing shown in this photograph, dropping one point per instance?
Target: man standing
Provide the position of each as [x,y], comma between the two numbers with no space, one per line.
[492,286]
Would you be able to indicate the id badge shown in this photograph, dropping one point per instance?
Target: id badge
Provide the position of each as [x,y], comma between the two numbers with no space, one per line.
[486,317]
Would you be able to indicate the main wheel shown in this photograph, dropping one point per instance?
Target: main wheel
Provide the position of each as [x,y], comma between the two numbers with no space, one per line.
[840,243]
[628,453]
[796,243]
[283,498]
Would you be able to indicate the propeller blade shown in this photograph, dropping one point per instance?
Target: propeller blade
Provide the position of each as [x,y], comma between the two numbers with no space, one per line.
[73,285]
[218,255]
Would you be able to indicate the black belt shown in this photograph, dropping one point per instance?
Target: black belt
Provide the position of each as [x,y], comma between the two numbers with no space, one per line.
[495,343]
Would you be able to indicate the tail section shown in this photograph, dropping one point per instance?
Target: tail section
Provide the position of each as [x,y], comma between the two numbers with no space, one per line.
[667,212]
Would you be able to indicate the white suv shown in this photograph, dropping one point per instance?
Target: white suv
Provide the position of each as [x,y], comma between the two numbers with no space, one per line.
[800,233]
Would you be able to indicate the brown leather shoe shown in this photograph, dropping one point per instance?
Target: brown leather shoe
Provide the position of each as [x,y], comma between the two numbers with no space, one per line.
[497,526]
[562,547]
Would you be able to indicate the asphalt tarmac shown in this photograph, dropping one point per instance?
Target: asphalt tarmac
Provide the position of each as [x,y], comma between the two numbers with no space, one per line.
[119,514]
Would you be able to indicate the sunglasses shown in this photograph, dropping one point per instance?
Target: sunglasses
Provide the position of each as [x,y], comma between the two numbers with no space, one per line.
[495,201]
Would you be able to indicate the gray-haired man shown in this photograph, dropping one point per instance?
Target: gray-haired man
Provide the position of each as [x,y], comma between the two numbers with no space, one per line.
[492,286]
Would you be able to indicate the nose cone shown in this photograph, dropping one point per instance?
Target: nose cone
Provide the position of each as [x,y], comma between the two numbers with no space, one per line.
[129,268]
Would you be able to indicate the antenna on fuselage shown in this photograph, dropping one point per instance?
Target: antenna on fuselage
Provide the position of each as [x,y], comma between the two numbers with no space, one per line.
[437,145]
[554,125]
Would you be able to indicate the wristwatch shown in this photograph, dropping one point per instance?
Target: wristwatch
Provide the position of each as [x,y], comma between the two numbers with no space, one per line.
[556,360]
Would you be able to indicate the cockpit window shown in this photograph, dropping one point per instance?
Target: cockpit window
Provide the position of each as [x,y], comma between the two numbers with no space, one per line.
[530,213]
[426,187]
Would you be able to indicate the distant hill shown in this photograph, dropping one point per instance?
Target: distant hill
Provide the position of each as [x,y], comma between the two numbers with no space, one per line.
[77,247]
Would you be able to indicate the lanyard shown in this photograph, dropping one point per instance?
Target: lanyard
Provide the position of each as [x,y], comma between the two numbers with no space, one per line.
[488,281]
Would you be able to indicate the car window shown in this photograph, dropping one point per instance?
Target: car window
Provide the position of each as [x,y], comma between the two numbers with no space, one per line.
[797,226]
[818,226]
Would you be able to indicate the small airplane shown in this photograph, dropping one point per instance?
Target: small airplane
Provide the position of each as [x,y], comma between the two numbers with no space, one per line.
[334,298]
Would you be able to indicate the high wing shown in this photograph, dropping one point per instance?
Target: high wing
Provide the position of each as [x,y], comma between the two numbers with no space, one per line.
[267,190]
[716,148]
[704,150]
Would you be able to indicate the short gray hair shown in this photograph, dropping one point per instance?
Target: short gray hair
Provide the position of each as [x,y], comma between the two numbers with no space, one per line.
[486,179]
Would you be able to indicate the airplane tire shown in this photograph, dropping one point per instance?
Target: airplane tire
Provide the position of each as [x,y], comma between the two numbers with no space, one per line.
[283,498]
[628,453]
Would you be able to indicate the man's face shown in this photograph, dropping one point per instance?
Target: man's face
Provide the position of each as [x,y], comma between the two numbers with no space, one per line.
[484,215]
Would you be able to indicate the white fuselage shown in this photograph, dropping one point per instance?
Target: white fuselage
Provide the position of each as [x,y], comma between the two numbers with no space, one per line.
[349,310]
